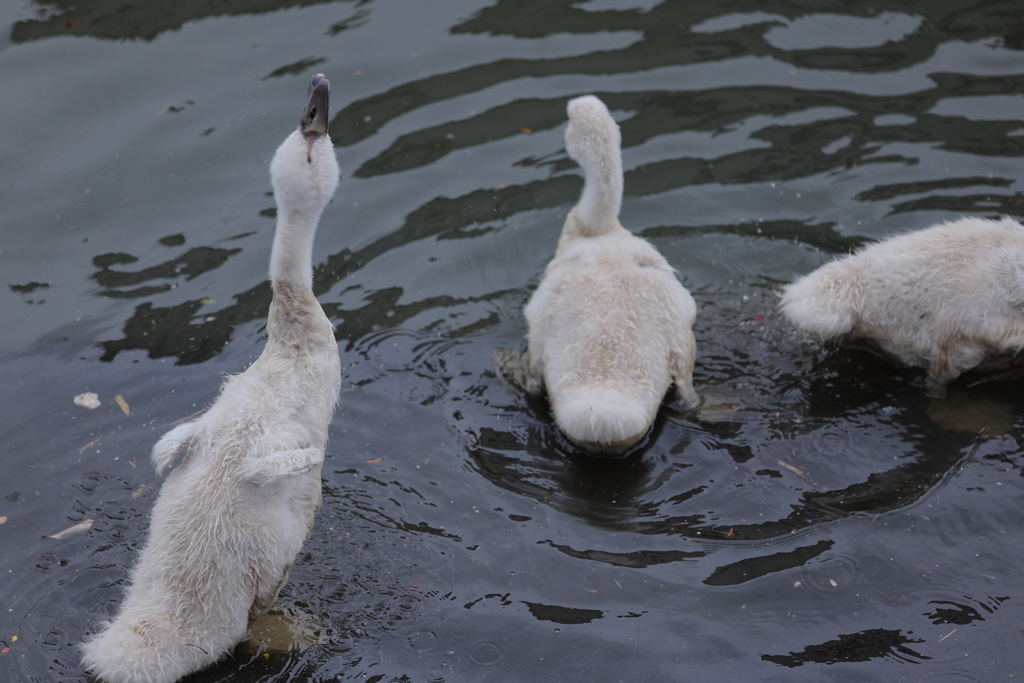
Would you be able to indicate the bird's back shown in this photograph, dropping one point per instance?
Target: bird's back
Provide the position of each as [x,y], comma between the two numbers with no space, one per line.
[605,320]
[944,297]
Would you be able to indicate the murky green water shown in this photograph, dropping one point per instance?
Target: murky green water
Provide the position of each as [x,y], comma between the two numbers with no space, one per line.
[819,519]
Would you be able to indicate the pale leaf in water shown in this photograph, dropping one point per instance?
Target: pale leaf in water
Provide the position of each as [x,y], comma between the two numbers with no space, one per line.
[3,520]
[72,530]
[123,403]
[88,400]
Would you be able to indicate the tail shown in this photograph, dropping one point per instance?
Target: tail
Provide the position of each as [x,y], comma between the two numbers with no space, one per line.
[135,649]
[824,303]
[603,421]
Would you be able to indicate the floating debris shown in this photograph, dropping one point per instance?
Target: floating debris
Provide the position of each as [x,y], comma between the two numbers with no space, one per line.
[140,492]
[72,530]
[794,470]
[88,400]
[123,403]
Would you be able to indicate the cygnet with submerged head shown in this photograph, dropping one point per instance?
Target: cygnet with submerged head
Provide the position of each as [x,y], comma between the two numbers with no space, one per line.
[232,516]
[947,298]
[610,326]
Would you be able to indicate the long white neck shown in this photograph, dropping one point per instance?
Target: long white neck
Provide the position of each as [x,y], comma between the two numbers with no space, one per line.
[593,140]
[304,174]
[291,259]
[598,208]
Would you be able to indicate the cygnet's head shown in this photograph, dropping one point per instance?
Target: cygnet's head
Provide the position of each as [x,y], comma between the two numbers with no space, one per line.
[592,137]
[304,171]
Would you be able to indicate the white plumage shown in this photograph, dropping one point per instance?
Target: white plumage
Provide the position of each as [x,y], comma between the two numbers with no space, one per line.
[946,298]
[233,515]
[610,326]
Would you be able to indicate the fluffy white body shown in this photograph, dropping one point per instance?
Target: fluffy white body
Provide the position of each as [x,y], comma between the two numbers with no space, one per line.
[610,326]
[946,298]
[234,513]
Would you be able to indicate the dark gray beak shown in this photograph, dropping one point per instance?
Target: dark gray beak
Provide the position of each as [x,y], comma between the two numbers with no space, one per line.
[314,118]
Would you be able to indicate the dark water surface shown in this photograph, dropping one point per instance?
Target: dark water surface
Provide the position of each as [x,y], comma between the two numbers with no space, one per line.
[819,518]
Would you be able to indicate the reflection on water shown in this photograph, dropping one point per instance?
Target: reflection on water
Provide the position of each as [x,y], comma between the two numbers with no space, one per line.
[816,509]
[855,647]
[112,19]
